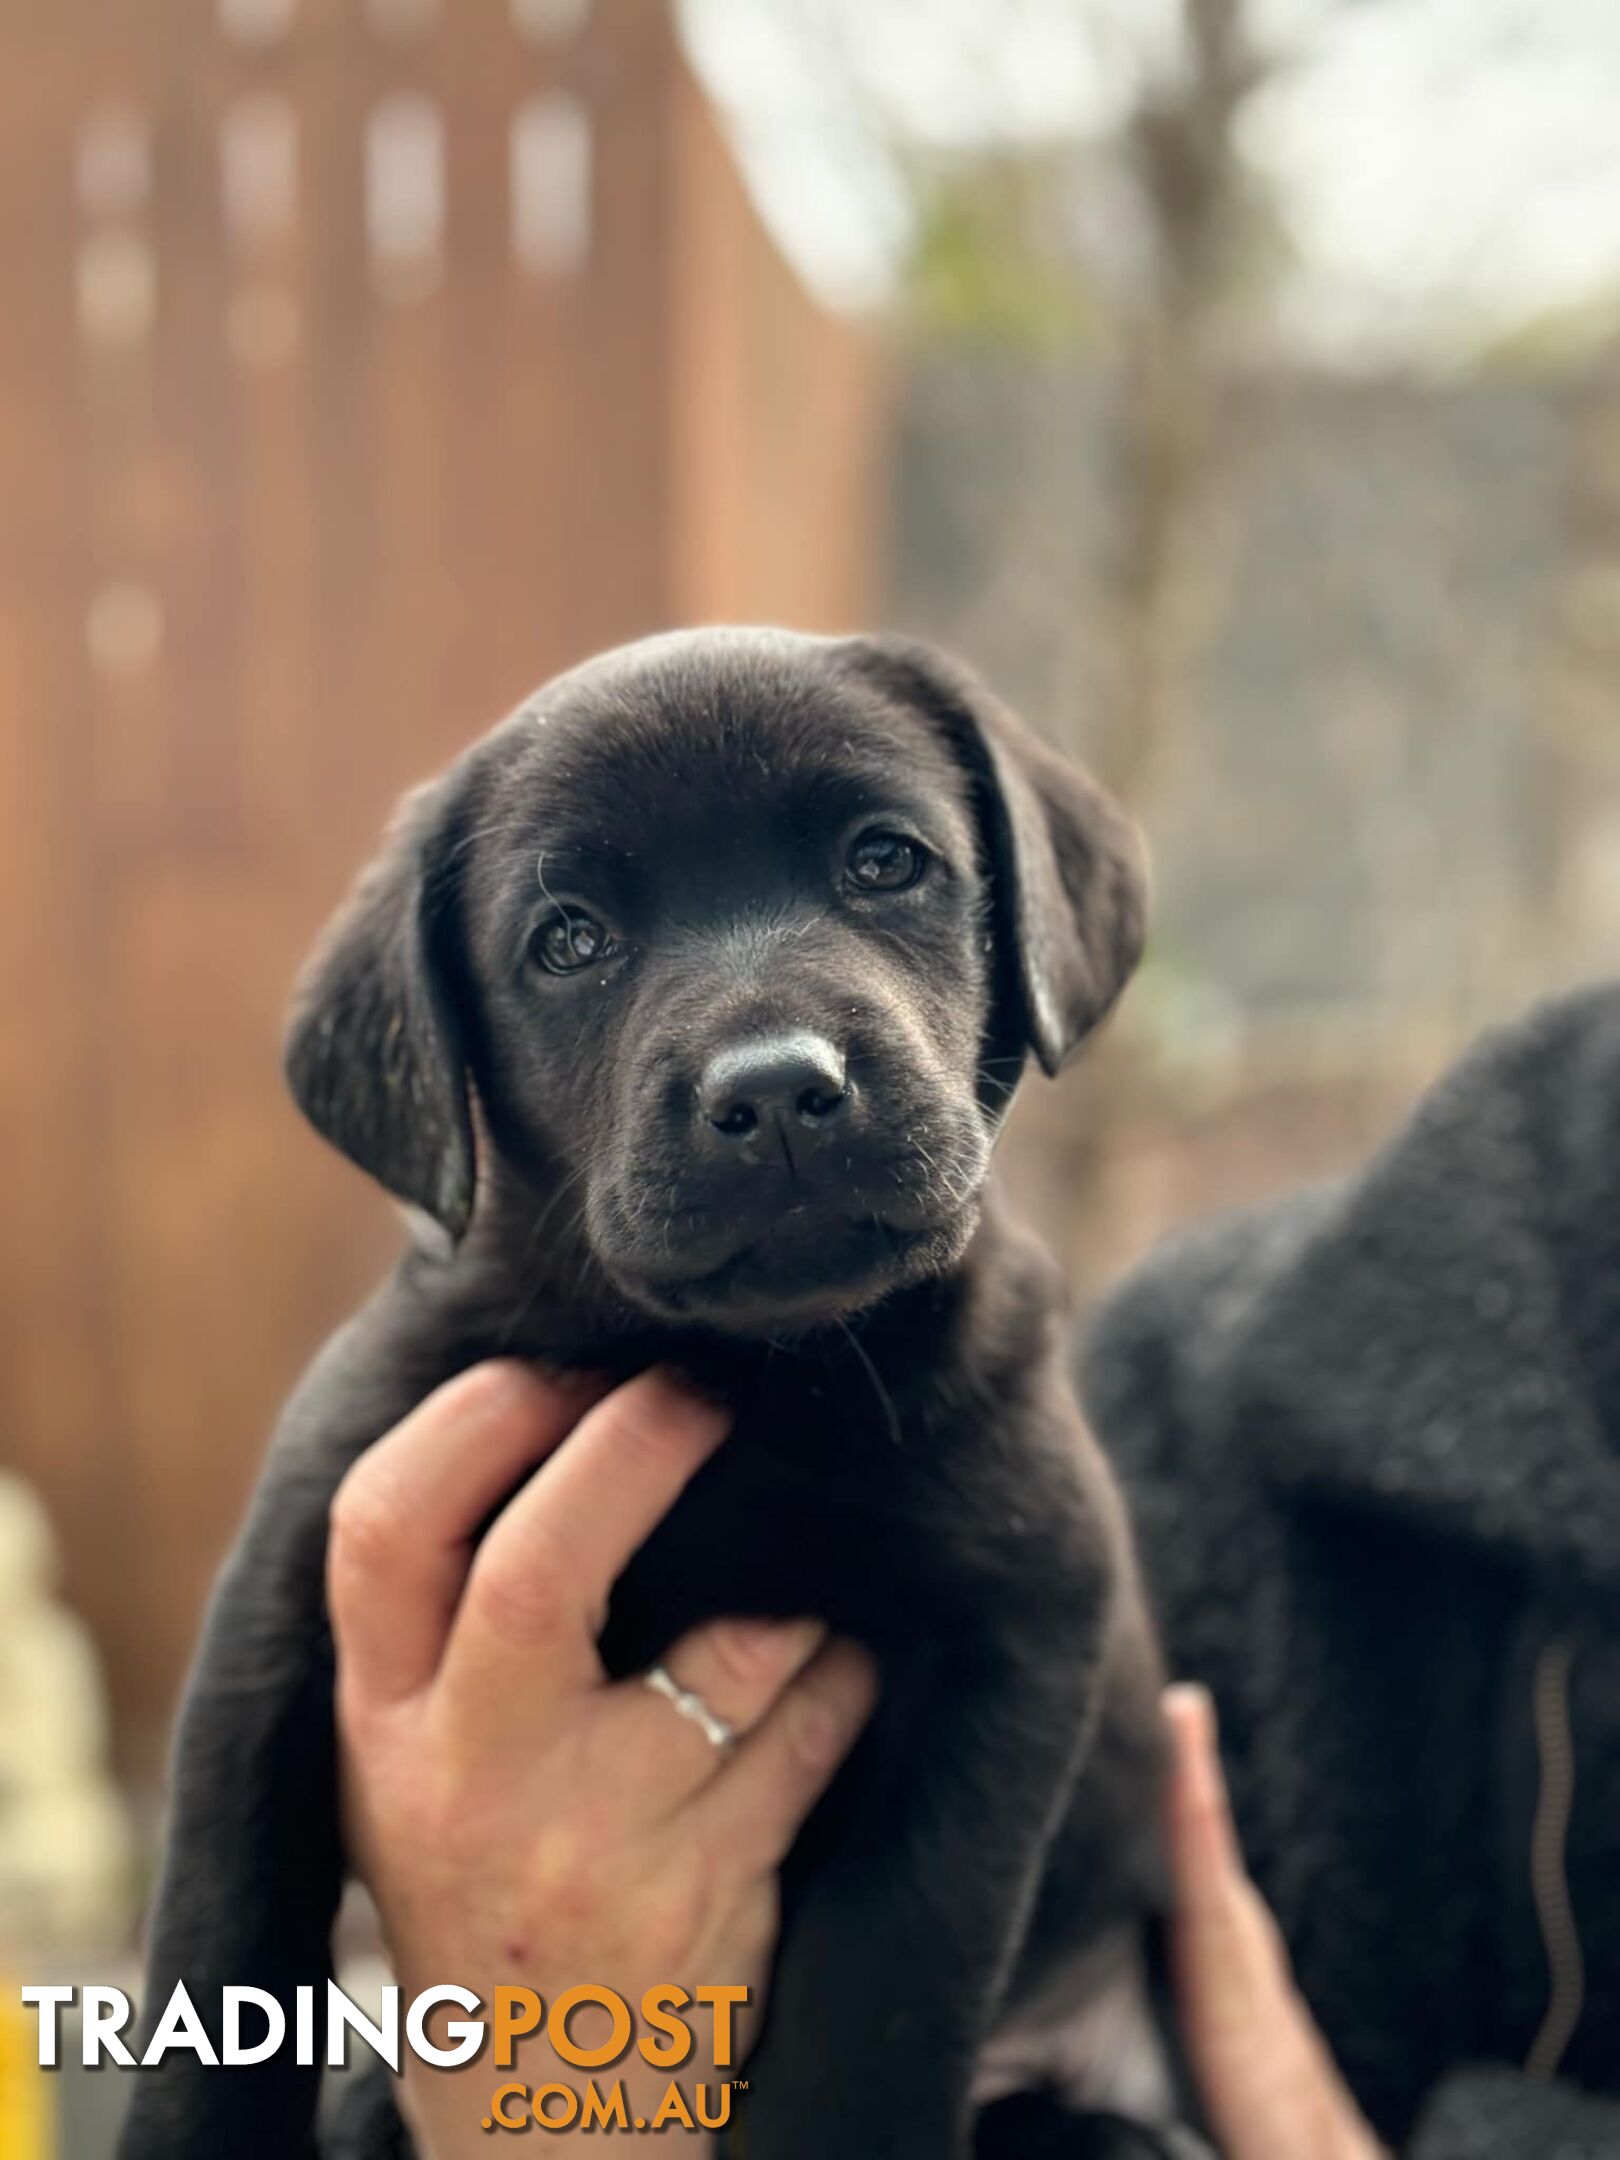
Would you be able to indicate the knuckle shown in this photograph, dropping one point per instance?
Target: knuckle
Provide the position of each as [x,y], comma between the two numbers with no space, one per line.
[562,1869]
[671,1913]
[363,1522]
[653,1414]
[638,1430]
[579,1859]
[581,1905]
[353,1710]
[523,1605]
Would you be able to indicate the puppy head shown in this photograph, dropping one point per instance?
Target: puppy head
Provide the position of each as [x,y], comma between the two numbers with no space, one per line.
[739,940]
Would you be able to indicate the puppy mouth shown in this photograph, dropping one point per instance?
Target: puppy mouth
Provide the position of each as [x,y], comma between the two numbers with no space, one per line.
[804,1270]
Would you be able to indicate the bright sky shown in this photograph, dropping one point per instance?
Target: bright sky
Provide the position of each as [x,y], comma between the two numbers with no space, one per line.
[1448,168]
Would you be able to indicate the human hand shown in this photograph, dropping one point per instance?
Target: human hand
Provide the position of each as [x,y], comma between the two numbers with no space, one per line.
[1270,2089]
[520,1820]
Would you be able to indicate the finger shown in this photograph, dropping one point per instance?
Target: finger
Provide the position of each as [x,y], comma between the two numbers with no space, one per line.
[1203,1843]
[1268,2082]
[537,1594]
[1227,1964]
[751,1813]
[403,1519]
[737,1669]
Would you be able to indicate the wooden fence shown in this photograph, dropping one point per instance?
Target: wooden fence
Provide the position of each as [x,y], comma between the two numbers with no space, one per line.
[359,364]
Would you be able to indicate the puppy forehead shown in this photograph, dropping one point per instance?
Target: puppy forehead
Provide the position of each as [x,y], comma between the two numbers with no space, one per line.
[716,737]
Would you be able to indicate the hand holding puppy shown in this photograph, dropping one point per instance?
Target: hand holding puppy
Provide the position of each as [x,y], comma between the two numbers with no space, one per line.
[519,1819]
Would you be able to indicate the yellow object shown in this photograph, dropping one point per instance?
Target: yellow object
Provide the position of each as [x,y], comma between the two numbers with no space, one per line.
[64,1843]
[27,2103]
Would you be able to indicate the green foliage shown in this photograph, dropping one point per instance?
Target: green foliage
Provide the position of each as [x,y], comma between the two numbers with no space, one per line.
[987,266]
[1567,340]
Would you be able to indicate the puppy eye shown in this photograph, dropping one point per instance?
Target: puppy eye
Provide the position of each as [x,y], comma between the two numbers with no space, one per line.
[568,941]
[886,862]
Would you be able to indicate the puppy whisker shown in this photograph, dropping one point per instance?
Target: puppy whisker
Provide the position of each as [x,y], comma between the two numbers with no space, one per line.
[885,1399]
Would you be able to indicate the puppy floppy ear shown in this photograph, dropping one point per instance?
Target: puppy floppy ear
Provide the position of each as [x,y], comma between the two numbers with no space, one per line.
[374,1051]
[1066,864]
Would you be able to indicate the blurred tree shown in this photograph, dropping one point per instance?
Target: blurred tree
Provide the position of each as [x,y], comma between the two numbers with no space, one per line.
[1135,247]
[1315,673]
[987,265]
[1181,147]
[1578,872]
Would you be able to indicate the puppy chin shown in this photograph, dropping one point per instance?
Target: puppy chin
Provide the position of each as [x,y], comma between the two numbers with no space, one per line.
[780,1285]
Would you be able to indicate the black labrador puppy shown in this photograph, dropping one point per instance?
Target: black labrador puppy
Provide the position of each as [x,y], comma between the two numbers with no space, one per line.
[682,1012]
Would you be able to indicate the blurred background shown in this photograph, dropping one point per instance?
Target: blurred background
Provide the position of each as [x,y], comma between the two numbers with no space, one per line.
[1236,382]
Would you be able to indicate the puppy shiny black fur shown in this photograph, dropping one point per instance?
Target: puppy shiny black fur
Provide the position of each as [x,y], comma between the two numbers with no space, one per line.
[682,1013]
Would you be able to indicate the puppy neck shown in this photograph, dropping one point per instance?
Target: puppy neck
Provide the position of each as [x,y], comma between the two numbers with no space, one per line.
[522,1283]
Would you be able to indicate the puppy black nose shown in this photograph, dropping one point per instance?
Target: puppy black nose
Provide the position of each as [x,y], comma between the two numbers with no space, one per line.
[795,1078]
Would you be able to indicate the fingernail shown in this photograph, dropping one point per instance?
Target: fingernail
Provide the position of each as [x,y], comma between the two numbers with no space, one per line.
[774,1645]
[818,1731]
[834,1702]
[1189,1705]
[1191,1710]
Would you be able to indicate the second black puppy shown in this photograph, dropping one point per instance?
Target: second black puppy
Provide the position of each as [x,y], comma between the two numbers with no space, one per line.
[684,1010]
